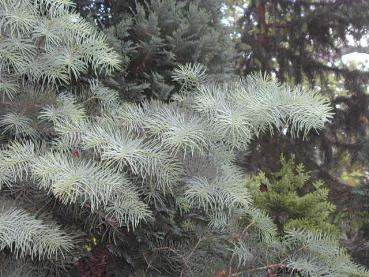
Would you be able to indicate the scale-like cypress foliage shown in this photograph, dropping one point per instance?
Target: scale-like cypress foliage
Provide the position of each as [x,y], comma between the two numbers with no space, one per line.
[291,200]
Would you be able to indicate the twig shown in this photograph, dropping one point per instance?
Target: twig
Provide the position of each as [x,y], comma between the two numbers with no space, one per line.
[240,237]
[111,222]
[185,259]
[194,248]
[267,267]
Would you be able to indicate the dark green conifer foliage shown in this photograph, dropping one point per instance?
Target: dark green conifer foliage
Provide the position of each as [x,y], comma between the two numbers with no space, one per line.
[156,36]
[302,42]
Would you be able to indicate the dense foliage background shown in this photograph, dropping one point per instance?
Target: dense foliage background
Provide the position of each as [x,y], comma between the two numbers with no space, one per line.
[310,43]
[146,138]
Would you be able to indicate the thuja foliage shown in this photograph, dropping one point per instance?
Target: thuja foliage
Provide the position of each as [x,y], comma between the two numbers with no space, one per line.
[154,185]
[292,200]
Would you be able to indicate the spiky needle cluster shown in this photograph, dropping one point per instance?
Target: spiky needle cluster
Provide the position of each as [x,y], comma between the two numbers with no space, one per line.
[74,144]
